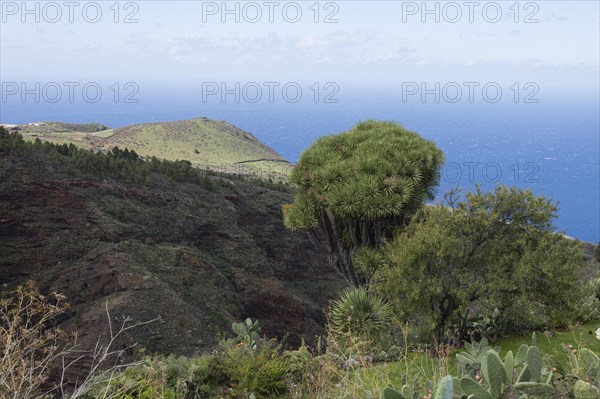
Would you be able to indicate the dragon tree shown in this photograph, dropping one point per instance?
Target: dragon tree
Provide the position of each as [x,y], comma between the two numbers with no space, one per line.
[359,188]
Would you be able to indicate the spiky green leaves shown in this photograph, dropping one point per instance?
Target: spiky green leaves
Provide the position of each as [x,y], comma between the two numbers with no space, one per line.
[360,315]
[368,260]
[376,170]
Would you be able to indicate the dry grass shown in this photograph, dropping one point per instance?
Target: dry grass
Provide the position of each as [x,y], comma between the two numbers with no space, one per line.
[33,349]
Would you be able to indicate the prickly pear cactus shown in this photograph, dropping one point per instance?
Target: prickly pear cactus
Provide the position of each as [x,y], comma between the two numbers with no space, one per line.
[247,331]
[590,364]
[443,391]
[499,376]
[584,390]
[391,393]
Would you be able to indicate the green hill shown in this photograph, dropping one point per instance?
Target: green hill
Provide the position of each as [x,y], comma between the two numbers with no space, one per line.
[208,144]
[156,239]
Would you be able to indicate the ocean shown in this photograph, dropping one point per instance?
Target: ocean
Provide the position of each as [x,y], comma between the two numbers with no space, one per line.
[552,147]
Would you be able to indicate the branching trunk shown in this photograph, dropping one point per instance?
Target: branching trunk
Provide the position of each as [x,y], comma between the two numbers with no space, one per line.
[353,228]
[360,233]
[312,236]
[339,255]
[446,307]
[364,232]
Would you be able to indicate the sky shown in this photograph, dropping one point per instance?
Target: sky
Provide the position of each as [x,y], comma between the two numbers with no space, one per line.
[525,74]
[376,45]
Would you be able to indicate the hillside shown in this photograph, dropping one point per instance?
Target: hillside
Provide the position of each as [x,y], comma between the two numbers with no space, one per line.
[198,254]
[209,144]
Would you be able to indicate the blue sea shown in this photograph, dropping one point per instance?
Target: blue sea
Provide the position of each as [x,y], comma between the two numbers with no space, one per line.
[552,147]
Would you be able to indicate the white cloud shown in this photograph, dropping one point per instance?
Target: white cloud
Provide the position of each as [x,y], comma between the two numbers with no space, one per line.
[335,47]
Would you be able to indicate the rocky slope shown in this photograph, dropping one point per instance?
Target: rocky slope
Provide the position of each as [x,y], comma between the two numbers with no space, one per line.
[198,255]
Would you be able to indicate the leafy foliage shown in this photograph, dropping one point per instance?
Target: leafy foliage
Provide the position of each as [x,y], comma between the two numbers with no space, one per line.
[261,371]
[497,248]
[589,305]
[234,370]
[488,324]
[359,186]
[117,164]
[159,377]
[368,260]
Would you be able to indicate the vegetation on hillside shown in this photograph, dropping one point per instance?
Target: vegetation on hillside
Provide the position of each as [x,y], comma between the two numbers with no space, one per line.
[490,251]
[60,127]
[359,187]
[437,285]
[156,238]
[117,164]
[206,144]
[252,367]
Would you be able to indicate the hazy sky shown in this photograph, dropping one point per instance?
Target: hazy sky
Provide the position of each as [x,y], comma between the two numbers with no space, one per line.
[374,44]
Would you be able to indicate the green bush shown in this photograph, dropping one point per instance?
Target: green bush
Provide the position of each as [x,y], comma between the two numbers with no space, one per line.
[489,325]
[589,306]
[262,370]
[159,377]
[490,250]
[246,367]
[359,316]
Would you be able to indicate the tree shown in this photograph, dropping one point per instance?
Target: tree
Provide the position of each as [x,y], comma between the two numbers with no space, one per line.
[358,187]
[496,248]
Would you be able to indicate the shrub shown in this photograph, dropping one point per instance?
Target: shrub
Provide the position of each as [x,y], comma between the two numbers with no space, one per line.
[488,325]
[589,306]
[30,343]
[160,377]
[259,370]
[495,249]
[33,349]
[359,316]
[245,367]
